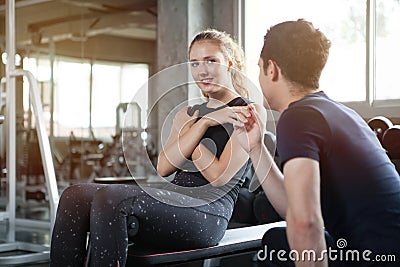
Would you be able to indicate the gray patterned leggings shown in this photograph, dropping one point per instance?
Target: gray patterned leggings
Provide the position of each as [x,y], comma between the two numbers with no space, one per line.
[102,210]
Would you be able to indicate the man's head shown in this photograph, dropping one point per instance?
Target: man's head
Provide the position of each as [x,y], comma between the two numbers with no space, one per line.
[299,51]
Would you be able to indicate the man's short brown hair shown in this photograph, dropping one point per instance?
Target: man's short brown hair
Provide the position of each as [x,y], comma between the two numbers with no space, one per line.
[300,51]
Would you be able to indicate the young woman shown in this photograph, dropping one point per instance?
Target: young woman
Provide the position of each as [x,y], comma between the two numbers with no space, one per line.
[209,163]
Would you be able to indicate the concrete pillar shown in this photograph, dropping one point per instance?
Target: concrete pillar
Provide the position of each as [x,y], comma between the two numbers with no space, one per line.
[226,16]
[178,22]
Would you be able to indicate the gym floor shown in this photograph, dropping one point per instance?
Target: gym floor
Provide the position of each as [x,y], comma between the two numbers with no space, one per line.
[39,211]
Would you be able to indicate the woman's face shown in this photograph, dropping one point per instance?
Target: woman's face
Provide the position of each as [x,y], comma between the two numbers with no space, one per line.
[209,67]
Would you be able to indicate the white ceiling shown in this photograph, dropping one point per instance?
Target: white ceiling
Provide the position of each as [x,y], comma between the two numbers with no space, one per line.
[39,20]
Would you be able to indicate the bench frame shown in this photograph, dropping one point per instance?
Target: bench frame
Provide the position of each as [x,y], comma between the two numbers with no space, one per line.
[235,241]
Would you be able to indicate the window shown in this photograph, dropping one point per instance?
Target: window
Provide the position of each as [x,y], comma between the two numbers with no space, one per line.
[344,75]
[71,105]
[76,107]
[114,84]
[345,22]
[106,96]
[387,49]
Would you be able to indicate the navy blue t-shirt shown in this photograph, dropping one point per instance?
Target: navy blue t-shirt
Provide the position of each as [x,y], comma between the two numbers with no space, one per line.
[360,188]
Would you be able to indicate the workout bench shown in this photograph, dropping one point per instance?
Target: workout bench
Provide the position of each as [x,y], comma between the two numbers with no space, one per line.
[235,241]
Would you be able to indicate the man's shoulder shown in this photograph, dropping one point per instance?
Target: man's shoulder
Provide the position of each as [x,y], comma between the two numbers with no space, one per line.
[300,112]
[303,119]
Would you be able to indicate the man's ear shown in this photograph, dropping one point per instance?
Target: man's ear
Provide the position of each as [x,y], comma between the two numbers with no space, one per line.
[273,70]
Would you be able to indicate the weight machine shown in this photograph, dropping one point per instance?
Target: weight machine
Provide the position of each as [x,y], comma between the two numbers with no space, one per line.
[37,252]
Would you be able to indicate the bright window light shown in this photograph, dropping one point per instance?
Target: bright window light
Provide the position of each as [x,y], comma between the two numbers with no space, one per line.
[343,78]
[387,49]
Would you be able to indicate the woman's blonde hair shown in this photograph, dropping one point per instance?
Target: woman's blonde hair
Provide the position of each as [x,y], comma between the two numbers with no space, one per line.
[232,52]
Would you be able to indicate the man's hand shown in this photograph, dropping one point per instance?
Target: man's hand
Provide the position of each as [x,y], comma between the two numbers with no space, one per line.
[250,135]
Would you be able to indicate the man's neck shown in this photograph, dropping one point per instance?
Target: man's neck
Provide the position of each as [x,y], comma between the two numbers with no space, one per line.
[293,96]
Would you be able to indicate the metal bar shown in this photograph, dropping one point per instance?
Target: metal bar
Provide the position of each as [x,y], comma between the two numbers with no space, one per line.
[52,55]
[138,112]
[32,224]
[24,3]
[44,144]
[91,100]
[21,246]
[4,215]
[11,117]
[39,252]
[2,141]
[371,52]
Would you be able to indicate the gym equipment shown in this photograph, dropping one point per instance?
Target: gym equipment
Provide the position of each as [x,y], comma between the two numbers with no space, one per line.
[32,169]
[128,115]
[391,141]
[235,241]
[84,158]
[38,252]
[379,125]
[113,162]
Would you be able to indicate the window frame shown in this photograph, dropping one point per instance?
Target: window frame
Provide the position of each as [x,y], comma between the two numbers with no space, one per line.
[371,106]
[87,133]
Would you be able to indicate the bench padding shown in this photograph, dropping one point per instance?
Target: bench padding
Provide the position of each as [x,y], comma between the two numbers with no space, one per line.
[237,240]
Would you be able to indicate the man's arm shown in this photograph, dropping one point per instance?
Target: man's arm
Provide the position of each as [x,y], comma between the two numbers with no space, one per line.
[270,177]
[305,227]
[251,137]
[295,193]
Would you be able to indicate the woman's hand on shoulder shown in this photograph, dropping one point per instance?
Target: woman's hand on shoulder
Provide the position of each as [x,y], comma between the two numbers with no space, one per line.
[237,115]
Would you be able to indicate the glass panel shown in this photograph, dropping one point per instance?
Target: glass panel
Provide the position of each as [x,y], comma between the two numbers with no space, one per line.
[71,107]
[41,69]
[134,87]
[387,49]
[113,83]
[344,76]
[105,98]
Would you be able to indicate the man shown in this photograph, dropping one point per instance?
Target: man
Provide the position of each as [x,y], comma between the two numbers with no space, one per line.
[336,176]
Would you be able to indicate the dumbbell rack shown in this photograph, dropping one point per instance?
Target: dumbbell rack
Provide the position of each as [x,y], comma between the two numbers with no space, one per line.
[37,252]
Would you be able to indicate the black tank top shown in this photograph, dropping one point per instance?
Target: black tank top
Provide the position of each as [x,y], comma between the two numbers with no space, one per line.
[219,134]
[215,140]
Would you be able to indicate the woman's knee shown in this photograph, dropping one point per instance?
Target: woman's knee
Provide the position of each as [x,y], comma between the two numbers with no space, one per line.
[78,196]
[108,194]
[76,192]
[112,197]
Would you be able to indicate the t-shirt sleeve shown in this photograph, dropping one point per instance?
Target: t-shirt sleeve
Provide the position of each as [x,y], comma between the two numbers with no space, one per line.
[301,132]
